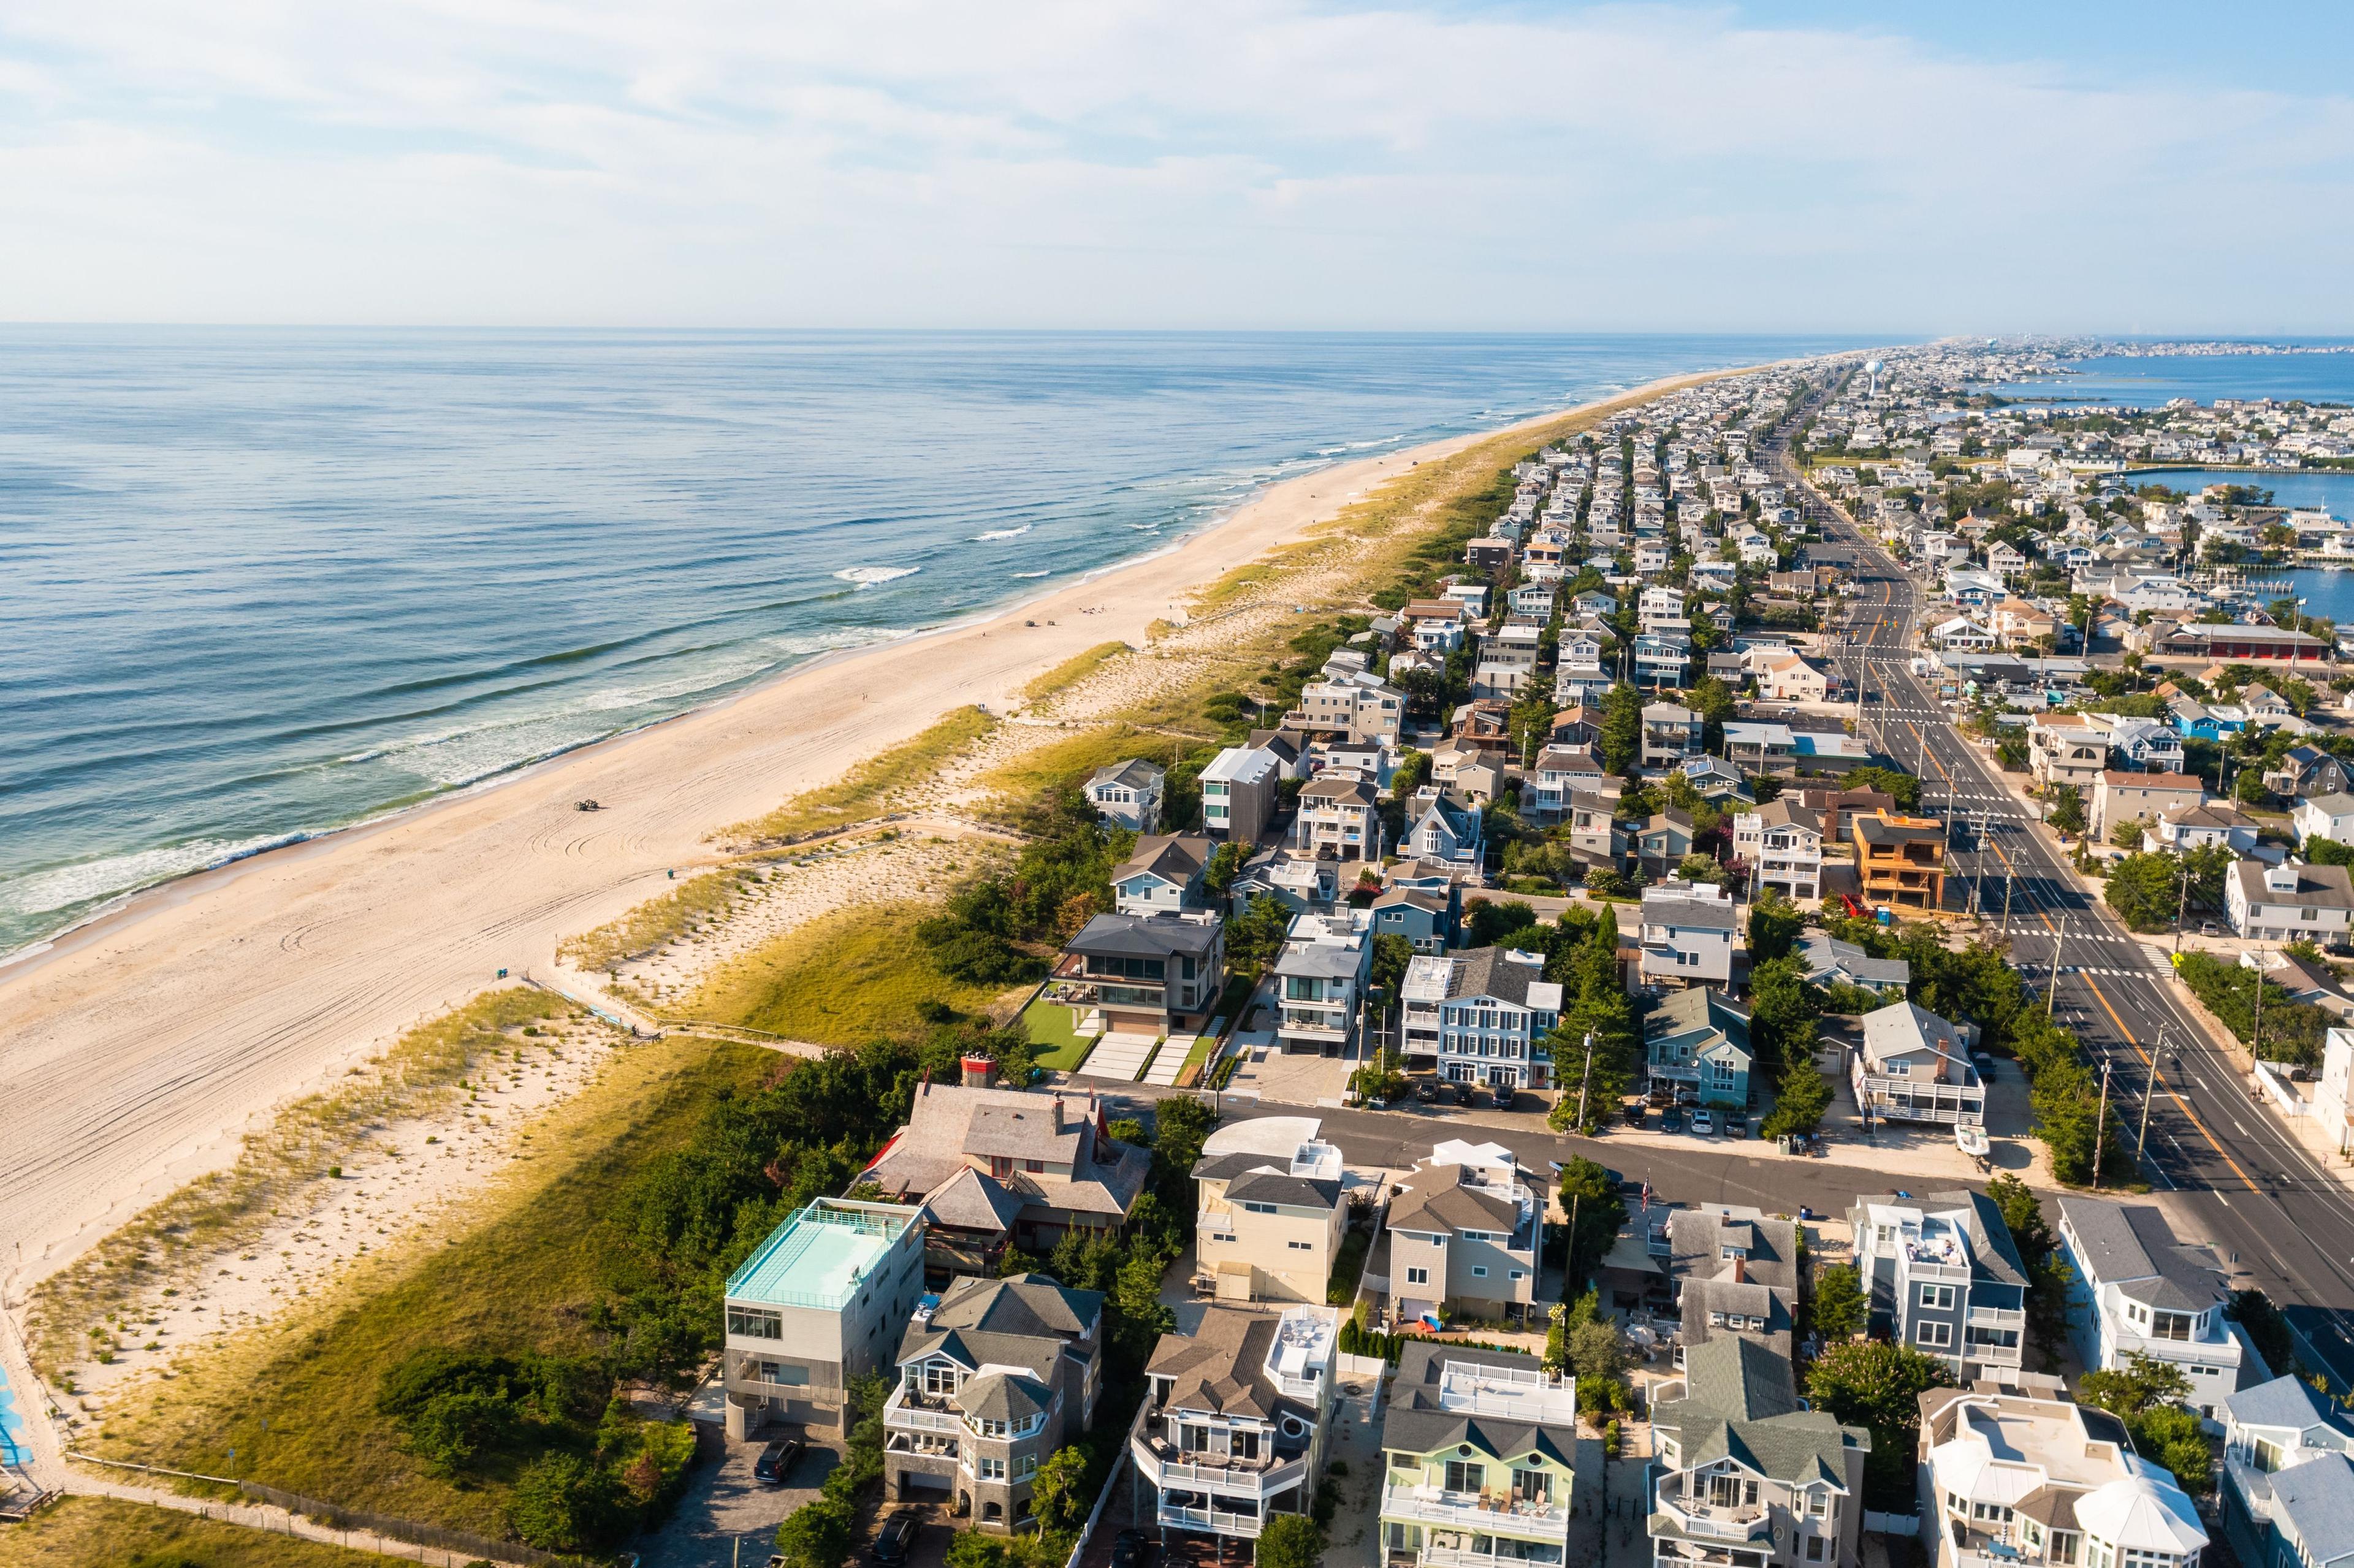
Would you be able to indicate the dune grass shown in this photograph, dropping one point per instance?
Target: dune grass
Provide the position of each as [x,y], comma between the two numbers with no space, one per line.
[710,896]
[1014,786]
[215,1212]
[296,1399]
[84,1532]
[850,977]
[869,789]
[1073,670]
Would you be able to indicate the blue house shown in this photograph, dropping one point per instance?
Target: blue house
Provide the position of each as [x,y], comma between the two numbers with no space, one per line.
[1701,1037]
[2196,722]
[2288,1485]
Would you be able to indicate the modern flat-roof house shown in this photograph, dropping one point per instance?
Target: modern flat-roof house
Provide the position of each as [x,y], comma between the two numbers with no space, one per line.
[816,1306]
[1481,1016]
[1042,1164]
[1481,1460]
[1913,1065]
[991,1381]
[1320,973]
[1150,973]
[2288,903]
[1942,1275]
[2138,1290]
[1687,934]
[2138,796]
[1782,841]
[1733,1271]
[1164,874]
[1129,794]
[1745,1475]
[1899,861]
[1238,794]
[1698,1037]
[1463,1233]
[2017,1479]
[1234,1422]
[1270,1227]
[2288,1480]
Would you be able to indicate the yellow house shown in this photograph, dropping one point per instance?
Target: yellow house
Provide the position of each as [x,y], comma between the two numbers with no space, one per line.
[1480,1454]
[1270,1225]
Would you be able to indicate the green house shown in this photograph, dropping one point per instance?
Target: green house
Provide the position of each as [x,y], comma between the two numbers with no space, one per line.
[1480,1447]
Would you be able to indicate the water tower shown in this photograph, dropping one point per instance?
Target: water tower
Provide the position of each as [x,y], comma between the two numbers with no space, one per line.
[1872,370]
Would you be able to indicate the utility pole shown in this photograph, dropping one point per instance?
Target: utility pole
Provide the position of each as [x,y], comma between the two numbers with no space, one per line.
[2256,1031]
[2051,981]
[2006,903]
[2149,1092]
[2101,1128]
[1583,1080]
[2181,904]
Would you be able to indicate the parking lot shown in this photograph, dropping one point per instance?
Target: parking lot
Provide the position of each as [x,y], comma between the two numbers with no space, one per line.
[725,1504]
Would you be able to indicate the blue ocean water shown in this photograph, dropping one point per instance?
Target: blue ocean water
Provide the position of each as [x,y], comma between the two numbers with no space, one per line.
[2325,591]
[2148,381]
[257,583]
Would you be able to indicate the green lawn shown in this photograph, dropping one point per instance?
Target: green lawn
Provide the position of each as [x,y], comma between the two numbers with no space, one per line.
[297,1399]
[1060,1046]
[80,1532]
[1203,1045]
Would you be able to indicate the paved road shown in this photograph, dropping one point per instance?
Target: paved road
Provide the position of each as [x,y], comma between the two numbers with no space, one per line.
[2280,1217]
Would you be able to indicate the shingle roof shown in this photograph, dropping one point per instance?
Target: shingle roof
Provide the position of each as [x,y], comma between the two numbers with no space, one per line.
[2286,1401]
[1174,857]
[2318,1499]
[1418,1424]
[1222,1365]
[1440,1197]
[2131,1243]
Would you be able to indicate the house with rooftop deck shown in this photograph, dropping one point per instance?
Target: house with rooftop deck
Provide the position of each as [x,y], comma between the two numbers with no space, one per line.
[1270,1225]
[1481,1016]
[992,1381]
[1235,1419]
[1942,1274]
[1238,794]
[818,1304]
[2026,1479]
[1733,1270]
[1900,862]
[2287,1481]
[1037,1165]
[1462,1234]
[1320,974]
[2138,1291]
[1127,794]
[1154,973]
[1744,1475]
[1913,1065]
[1480,1460]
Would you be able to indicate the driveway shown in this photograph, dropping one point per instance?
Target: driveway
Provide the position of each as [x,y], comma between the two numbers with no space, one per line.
[724,1505]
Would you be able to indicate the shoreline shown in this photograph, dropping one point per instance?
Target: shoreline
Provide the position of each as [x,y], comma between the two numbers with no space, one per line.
[147,1040]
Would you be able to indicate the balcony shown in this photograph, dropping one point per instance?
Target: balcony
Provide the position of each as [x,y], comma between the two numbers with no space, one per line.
[1996,1318]
[1489,1513]
[1173,1517]
[1240,1480]
[909,1411]
[1753,1521]
[1458,1557]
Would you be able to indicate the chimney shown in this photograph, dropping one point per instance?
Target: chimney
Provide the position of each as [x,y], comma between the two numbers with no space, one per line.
[1740,1270]
[979,1072]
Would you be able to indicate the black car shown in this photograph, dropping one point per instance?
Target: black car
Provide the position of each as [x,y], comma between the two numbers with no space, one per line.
[777,1461]
[1131,1549]
[1462,1093]
[1426,1091]
[1633,1111]
[896,1538]
[1673,1121]
[1506,1096]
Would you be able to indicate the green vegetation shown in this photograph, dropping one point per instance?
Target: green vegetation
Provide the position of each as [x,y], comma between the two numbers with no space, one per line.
[2293,1031]
[2149,890]
[1582,954]
[1838,1308]
[79,1532]
[1073,670]
[868,790]
[1878,1386]
[419,1072]
[1059,1045]
[2153,1399]
[708,897]
[839,980]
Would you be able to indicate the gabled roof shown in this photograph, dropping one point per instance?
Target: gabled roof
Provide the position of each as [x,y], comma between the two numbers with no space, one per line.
[2129,1244]
[1172,857]
[2286,1401]
[1418,1423]
[1443,1198]
[1135,773]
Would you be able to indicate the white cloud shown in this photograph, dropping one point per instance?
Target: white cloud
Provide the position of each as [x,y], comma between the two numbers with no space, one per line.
[1210,164]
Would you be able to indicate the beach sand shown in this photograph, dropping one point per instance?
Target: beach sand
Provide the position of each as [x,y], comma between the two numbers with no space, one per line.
[141,1048]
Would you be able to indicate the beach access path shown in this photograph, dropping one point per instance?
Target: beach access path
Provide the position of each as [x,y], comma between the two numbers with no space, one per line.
[142,1047]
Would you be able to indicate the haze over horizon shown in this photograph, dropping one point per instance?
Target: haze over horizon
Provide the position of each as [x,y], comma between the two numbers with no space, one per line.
[1448,167]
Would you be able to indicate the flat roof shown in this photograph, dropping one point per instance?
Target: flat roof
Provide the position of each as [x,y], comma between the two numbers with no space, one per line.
[820,1256]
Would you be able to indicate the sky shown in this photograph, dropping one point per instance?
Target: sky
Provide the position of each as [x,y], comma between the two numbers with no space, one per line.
[1910,169]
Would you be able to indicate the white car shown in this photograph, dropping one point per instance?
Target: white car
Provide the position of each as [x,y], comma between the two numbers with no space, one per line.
[1703,1122]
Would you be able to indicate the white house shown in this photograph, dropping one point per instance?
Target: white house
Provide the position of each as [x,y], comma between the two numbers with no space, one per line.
[1782,841]
[1320,974]
[1687,933]
[2286,903]
[2138,1291]
[2325,817]
[1127,794]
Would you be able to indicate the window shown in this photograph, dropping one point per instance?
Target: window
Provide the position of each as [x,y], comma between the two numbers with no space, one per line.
[2172,1325]
[1259,1208]
[1465,1476]
[1035,1167]
[1478,1271]
[988,1469]
[939,1377]
[2063,1547]
[1936,1335]
[1937,1297]
[752,1323]
[1814,1549]
[1301,1247]
[2268,1454]
[1818,1503]
[1417,1277]
[1027,1467]
[1519,1274]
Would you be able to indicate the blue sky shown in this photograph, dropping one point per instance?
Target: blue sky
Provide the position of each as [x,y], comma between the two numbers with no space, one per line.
[1840,166]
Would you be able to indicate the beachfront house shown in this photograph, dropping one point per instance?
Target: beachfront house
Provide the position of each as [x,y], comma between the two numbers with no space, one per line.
[1164,874]
[1127,794]
[813,1308]
[1239,794]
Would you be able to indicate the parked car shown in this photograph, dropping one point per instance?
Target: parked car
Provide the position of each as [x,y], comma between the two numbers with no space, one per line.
[1506,1096]
[1426,1091]
[1462,1093]
[1672,1119]
[896,1538]
[1735,1125]
[1131,1549]
[777,1460]
[1633,1110]
[1703,1122]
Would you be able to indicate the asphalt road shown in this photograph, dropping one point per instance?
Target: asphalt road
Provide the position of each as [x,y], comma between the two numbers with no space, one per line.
[2264,1201]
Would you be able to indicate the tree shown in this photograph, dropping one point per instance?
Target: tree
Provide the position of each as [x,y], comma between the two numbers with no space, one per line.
[2067,812]
[1226,864]
[2153,1399]
[1254,934]
[1059,1495]
[1903,788]
[1878,1386]
[1290,1540]
[2126,834]
[2146,890]
[1392,954]
[1622,729]
[1781,1015]
[1801,1097]
[1774,925]
[1490,922]
[1591,1199]
[563,1502]
[1841,1311]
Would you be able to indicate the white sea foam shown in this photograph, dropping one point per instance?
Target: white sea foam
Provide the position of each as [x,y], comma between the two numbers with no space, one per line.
[867,577]
[1000,534]
[1032,574]
[807,643]
[67,887]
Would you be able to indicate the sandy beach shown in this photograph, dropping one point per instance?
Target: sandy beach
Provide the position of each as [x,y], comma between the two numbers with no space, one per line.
[143,1045]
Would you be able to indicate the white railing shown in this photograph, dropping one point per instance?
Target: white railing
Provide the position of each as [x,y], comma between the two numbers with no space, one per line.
[1244,1524]
[1232,1480]
[897,1412]
[1449,1557]
[1997,1317]
[1472,1510]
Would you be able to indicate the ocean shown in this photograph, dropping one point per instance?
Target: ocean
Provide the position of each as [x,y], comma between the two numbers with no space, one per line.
[256,584]
[2148,381]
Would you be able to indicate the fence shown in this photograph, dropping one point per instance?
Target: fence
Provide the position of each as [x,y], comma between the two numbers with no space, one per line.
[1891,1523]
[1095,1515]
